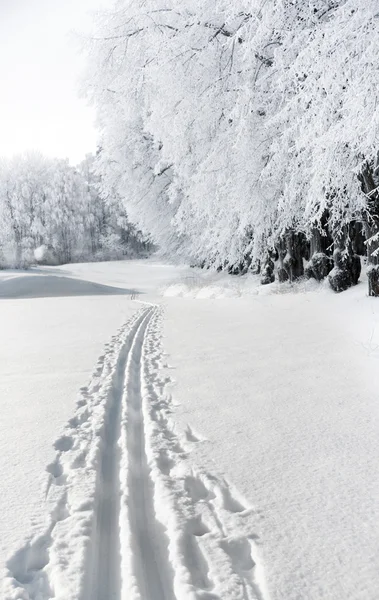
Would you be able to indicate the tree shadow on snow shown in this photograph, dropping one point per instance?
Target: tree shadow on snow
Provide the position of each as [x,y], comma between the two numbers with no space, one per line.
[52,286]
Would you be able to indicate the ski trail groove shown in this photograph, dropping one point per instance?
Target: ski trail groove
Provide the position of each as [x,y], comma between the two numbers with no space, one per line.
[131,517]
[75,553]
[148,540]
[106,561]
[106,566]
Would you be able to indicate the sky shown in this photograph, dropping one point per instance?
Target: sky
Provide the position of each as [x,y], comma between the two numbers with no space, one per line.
[40,66]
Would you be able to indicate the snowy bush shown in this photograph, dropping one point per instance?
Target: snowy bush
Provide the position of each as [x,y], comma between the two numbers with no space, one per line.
[45,255]
[319,266]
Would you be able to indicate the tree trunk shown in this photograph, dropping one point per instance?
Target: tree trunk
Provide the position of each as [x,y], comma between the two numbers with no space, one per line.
[358,236]
[242,267]
[320,264]
[256,267]
[369,179]
[267,269]
[282,252]
[347,265]
[293,260]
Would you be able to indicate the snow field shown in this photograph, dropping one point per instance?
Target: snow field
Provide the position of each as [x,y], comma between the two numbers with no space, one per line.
[280,391]
[284,390]
[54,562]
[210,545]
[54,323]
[128,516]
[48,349]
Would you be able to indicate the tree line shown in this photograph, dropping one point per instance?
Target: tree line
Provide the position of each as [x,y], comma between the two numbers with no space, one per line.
[52,212]
[244,135]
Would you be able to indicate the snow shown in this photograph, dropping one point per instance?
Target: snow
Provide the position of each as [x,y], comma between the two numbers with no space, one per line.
[284,389]
[212,285]
[230,436]
[48,350]
[42,286]
[40,252]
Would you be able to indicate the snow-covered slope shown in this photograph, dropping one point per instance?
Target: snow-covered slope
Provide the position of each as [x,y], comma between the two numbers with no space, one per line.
[233,458]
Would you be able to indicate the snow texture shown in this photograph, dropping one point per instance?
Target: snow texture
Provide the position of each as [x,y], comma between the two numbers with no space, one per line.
[221,450]
[128,516]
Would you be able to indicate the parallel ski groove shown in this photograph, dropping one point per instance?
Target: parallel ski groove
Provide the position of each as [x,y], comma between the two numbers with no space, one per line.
[106,563]
[131,517]
[149,562]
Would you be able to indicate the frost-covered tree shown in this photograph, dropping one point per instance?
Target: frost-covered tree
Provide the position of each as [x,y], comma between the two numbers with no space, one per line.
[50,205]
[244,135]
[327,125]
[22,204]
[164,80]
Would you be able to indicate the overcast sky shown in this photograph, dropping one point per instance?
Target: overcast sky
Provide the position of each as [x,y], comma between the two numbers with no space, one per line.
[39,69]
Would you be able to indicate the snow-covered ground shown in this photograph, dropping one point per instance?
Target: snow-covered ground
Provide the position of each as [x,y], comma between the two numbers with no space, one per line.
[225,446]
[49,347]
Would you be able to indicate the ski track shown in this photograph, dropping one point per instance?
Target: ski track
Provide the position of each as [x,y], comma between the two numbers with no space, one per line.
[130,517]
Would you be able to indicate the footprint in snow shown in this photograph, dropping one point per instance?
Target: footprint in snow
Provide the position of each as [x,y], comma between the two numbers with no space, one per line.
[239,552]
[64,443]
[195,562]
[81,402]
[79,460]
[164,462]
[190,436]
[196,527]
[79,419]
[195,488]
[55,469]
[28,563]
[60,512]
[228,501]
